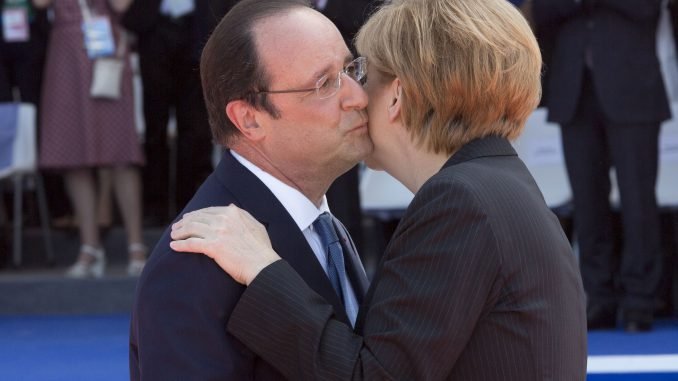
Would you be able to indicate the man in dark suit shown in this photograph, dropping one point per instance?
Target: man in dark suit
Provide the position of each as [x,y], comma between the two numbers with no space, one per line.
[607,93]
[171,35]
[479,281]
[283,95]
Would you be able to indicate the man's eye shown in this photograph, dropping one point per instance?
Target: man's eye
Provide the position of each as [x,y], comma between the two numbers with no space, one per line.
[350,71]
[324,83]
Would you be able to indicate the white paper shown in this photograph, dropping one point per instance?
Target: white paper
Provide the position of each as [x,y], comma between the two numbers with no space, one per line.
[15,25]
[544,151]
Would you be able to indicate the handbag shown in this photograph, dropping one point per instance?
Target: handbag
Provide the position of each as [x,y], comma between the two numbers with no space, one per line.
[107,78]
[107,72]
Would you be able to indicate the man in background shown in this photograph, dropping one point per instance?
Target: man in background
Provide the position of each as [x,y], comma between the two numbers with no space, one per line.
[171,34]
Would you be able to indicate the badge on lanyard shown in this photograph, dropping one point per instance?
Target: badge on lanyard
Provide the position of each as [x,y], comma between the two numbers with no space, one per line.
[15,27]
[98,36]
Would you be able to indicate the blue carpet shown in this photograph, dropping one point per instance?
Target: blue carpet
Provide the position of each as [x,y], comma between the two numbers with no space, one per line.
[634,377]
[618,356]
[68,348]
[74,348]
[662,340]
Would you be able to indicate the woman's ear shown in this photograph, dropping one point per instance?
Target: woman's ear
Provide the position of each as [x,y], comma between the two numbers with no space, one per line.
[396,91]
[243,116]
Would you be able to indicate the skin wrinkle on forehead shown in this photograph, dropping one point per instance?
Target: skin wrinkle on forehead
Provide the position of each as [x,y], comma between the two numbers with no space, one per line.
[267,34]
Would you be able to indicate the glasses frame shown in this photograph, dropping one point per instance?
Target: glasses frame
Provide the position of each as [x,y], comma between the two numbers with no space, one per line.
[359,63]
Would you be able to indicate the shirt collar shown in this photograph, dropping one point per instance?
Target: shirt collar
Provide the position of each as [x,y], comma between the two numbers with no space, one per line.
[299,207]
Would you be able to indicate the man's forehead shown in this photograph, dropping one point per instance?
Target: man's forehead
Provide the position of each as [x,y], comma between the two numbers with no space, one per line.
[299,34]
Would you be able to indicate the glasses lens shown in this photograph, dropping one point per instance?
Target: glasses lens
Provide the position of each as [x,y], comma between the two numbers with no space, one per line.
[357,70]
[326,86]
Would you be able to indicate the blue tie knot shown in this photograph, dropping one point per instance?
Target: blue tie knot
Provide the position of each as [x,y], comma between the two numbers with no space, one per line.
[324,226]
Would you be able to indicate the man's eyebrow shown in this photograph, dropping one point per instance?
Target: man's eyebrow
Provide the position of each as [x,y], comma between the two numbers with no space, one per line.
[319,73]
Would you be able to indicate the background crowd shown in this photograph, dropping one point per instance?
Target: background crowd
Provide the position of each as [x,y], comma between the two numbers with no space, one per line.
[602,85]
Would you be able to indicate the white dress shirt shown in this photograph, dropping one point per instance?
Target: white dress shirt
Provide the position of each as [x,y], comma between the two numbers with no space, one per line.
[303,212]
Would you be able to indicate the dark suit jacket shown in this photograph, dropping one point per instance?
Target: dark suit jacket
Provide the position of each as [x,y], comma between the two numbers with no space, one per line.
[621,35]
[144,15]
[478,283]
[183,301]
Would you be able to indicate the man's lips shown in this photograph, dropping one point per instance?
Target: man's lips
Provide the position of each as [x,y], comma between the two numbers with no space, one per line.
[359,127]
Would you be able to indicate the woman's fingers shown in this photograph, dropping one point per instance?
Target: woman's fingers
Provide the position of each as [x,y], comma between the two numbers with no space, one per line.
[231,236]
[187,229]
[191,245]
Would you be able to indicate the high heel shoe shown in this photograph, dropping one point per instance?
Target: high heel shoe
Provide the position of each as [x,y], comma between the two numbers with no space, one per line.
[136,265]
[89,268]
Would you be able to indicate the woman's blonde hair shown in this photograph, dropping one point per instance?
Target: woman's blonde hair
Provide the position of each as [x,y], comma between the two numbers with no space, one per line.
[468,68]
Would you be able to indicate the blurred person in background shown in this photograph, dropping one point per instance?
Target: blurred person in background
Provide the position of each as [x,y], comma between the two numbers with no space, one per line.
[171,34]
[23,46]
[22,50]
[606,91]
[81,134]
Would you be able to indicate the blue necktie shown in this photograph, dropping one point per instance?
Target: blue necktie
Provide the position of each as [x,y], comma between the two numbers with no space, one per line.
[336,270]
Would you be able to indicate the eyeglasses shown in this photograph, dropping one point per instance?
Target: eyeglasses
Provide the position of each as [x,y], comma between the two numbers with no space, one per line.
[327,86]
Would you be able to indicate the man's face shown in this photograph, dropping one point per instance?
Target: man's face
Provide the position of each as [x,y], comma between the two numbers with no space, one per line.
[311,135]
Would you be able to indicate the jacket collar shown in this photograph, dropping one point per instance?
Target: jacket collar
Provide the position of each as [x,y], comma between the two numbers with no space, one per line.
[286,238]
[482,147]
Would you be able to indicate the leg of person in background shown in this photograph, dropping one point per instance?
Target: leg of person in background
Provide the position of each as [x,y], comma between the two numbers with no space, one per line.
[104,201]
[158,79]
[5,73]
[587,160]
[127,184]
[634,151]
[82,190]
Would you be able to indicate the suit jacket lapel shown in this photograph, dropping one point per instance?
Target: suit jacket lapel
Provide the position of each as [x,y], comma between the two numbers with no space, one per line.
[287,240]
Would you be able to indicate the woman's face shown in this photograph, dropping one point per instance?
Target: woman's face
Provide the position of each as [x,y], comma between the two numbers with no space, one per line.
[381,129]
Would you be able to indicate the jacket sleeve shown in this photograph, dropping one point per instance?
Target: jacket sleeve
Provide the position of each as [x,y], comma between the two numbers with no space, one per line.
[433,287]
[180,320]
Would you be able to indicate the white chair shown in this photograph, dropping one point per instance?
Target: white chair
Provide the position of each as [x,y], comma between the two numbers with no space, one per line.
[18,162]
[539,146]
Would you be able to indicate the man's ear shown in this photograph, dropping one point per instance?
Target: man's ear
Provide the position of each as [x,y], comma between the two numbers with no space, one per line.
[396,91]
[243,116]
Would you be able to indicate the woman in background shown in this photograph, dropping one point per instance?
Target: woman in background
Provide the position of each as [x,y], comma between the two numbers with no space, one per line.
[81,134]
